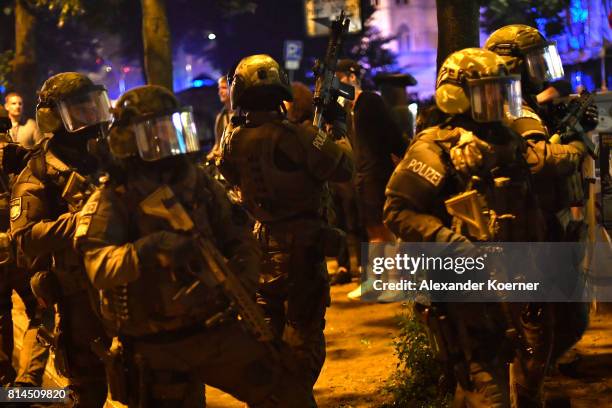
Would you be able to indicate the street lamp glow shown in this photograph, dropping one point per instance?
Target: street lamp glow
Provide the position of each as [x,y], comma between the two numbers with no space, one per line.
[212,36]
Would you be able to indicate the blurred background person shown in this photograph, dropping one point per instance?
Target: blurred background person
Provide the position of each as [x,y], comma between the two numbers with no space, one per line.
[301,109]
[393,91]
[344,213]
[223,117]
[24,130]
[377,145]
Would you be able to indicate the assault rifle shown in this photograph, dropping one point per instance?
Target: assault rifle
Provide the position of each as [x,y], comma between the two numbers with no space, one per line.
[569,126]
[163,203]
[470,208]
[327,86]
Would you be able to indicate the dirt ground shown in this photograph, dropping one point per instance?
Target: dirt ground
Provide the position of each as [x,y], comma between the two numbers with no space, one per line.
[359,355]
[588,380]
[360,359]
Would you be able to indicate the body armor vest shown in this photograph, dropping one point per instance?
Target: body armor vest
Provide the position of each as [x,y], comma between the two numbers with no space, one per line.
[54,173]
[273,187]
[153,303]
[506,188]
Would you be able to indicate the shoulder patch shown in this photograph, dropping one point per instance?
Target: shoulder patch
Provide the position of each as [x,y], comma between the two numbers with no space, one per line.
[84,219]
[89,208]
[82,227]
[425,171]
[15,208]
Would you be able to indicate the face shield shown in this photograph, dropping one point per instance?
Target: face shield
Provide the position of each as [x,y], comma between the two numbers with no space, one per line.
[172,134]
[493,99]
[544,63]
[84,110]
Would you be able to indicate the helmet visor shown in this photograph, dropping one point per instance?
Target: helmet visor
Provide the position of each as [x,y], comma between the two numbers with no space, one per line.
[493,99]
[84,110]
[172,134]
[544,64]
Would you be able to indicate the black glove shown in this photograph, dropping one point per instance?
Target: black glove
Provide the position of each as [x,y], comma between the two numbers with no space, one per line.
[335,115]
[175,248]
[333,111]
[46,288]
[590,119]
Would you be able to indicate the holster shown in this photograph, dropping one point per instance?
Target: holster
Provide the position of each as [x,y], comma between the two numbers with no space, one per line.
[573,190]
[445,342]
[62,364]
[115,367]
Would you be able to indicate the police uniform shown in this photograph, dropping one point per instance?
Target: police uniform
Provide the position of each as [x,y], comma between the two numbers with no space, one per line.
[33,355]
[169,334]
[72,110]
[415,212]
[553,328]
[43,227]
[281,170]
[174,322]
[439,165]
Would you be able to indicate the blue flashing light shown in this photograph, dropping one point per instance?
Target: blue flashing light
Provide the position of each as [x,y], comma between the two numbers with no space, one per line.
[2,89]
[541,23]
[574,42]
[580,78]
[578,12]
[198,83]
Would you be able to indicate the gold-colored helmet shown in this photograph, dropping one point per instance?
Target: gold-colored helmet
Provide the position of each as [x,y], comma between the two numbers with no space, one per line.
[149,121]
[478,80]
[259,83]
[527,52]
[72,101]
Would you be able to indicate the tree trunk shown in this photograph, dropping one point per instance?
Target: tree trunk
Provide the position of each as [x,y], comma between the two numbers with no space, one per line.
[458,26]
[156,39]
[24,70]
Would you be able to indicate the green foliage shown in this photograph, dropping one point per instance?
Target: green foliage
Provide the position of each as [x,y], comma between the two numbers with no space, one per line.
[416,382]
[5,66]
[369,50]
[499,13]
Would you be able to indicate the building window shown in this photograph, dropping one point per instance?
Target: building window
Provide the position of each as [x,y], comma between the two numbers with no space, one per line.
[401,2]
[403,38]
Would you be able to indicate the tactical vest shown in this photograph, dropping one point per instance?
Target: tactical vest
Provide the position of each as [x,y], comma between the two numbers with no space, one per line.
[273,187]
[506,187]
[153,304]
[53,173]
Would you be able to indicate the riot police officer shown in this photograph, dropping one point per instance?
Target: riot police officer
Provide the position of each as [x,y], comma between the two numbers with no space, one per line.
[558,184]
[476,91]
[33,356]
[281,170]
[176,331]
[45,200]
[527,53]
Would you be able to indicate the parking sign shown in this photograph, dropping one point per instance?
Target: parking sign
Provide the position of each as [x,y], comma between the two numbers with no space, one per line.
[293,54]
